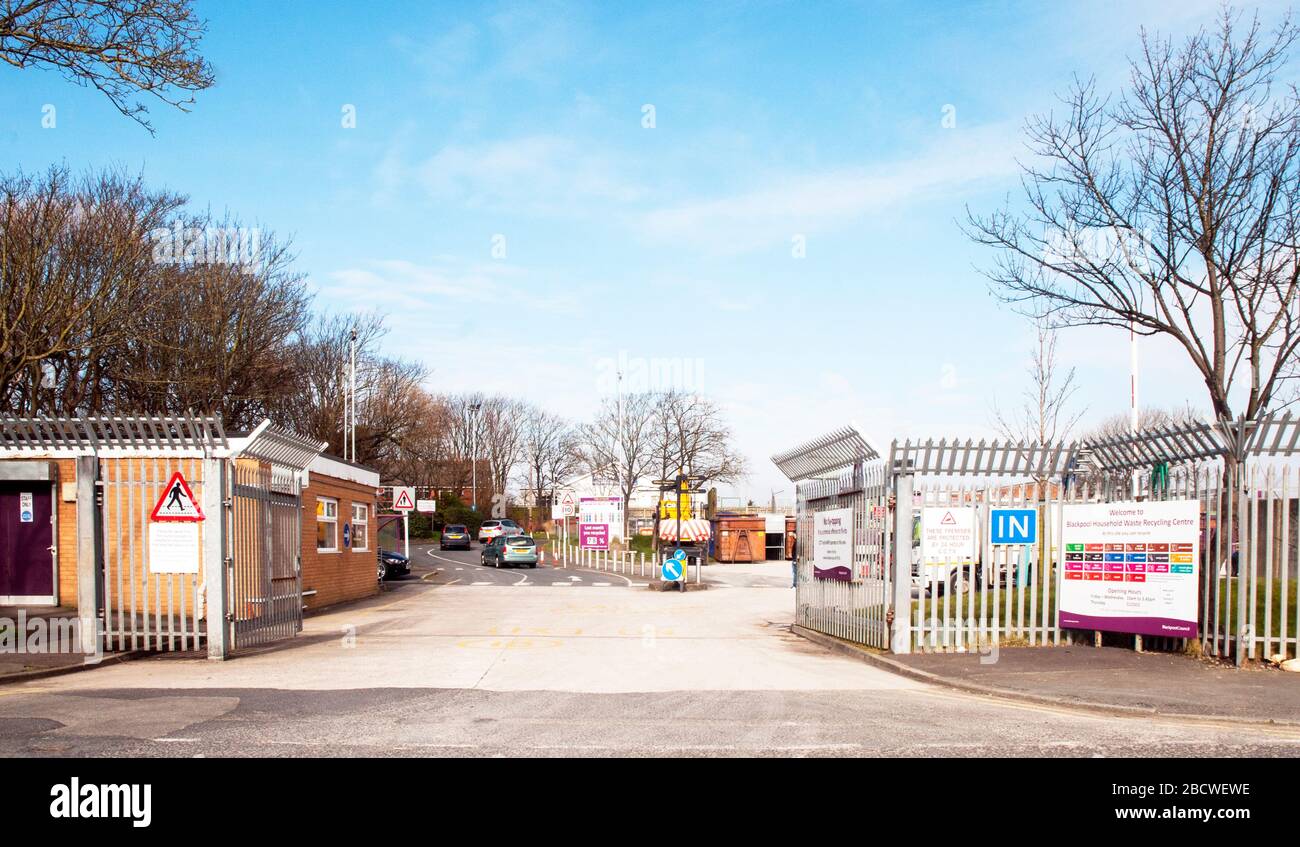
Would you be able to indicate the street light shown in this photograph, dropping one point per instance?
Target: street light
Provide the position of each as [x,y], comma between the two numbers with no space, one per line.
[473,459]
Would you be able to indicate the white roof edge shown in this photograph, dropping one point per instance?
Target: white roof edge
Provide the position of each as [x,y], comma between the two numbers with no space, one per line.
[338,469]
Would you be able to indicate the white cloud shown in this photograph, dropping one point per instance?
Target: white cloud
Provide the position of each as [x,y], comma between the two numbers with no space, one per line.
[961,159]
[536,174]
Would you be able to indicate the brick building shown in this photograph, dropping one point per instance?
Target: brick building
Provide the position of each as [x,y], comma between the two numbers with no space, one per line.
[340,543]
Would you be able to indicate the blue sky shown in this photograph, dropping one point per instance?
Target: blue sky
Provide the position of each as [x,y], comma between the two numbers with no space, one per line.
[524,122]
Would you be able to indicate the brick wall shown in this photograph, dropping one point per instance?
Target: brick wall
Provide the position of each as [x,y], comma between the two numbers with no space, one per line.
[66,534]
[347,574]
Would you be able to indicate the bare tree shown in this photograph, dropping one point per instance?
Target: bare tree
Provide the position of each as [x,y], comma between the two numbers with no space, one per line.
[1045,415]
[1173,209]
[216,333]
[690,437]
[1121,424]
[464,437]
[502,441]
[617,446]
[122,48]
[312,404]
[75,271]
[550,453]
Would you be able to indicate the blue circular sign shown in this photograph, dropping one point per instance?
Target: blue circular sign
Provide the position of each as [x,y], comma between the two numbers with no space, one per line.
[672,569]
[347,535]
[679,554]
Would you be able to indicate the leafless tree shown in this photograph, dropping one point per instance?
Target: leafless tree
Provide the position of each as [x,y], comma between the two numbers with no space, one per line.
[216,334]
[76,270]
[691,437]
[1045,415]
[122,48]
[617,446]
[502,441]
[550,453]
[312,404]
[463,438]
[1173,209]
[1121,424]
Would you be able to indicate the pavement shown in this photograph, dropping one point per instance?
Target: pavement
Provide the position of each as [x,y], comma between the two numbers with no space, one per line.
[462,660]
[18,665]
[1116,680]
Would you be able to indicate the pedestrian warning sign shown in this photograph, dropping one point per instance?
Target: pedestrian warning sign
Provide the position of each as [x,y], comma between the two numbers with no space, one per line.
[403,499]
[177,503]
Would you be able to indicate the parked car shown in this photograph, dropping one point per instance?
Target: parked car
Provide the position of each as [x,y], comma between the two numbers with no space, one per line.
[489,530]
[393,564]
[455,535]
[510,551]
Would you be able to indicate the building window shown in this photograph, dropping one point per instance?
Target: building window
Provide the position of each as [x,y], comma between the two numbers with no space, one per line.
[327,525]
[360,528]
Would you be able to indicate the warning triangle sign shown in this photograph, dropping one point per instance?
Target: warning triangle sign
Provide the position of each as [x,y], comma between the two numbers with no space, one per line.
[177,502]
[948,519]
[403,502]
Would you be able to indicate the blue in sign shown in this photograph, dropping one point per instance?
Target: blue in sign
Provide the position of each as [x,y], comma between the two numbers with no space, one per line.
[1013,526]
[347,535]
[672,569]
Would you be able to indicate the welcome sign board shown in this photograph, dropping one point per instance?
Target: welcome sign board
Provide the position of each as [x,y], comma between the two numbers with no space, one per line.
[1131,567]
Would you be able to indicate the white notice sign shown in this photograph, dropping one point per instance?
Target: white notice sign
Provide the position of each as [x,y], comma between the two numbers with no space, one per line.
[833,545]
[173,548]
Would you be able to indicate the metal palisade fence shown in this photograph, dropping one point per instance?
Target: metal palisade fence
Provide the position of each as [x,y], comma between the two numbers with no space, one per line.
[854,609]
[1243,478]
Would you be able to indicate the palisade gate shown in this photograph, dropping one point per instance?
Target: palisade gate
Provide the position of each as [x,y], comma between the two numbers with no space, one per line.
[228,580]
[1244,480]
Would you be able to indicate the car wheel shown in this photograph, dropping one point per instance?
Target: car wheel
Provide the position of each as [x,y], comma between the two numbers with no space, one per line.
[959,582]
[383,571]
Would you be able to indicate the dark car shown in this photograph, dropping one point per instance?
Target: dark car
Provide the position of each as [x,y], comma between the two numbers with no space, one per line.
[509,552]
[393,564]
[455,536]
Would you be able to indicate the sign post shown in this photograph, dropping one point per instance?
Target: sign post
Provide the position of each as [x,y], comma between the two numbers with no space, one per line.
[404,502]
[674,569]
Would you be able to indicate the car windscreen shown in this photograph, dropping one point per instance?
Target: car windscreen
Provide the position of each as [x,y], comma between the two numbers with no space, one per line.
[455,528]
[491,524]
[521,541]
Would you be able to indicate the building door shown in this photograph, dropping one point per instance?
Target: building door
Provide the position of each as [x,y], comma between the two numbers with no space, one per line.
[26,543]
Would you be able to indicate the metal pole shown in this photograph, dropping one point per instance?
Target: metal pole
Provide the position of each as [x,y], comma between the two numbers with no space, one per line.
[89,567]
[215,564]
[352,428]
[473,459]
[900,634]
[406,531]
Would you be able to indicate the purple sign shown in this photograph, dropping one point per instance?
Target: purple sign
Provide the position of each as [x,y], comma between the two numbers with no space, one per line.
[593,536]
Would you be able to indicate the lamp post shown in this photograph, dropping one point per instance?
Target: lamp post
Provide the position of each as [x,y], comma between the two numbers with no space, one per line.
[473,459]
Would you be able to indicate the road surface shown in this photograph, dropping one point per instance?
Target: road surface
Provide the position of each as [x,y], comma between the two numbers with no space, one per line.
[462,660]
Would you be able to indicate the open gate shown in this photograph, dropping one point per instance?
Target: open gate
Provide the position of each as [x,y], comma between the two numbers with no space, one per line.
[263,587]
[265,574]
